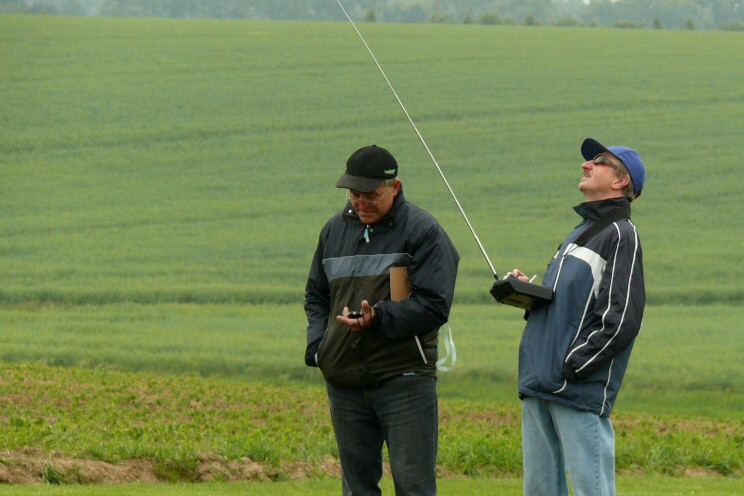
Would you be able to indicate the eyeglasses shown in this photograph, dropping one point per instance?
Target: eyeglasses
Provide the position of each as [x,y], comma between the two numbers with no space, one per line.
[603,160]
[356,199]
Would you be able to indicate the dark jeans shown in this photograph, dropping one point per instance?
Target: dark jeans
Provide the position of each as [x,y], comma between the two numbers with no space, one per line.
[402,412]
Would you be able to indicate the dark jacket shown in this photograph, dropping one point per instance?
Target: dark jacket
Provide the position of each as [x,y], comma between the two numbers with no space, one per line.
[349,267]
[575,350]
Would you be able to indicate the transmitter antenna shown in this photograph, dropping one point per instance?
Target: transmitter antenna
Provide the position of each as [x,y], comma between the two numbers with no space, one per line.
[509,290]
[439,169]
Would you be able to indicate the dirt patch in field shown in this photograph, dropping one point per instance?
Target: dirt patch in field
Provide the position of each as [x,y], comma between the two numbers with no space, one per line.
[492,418]
[303,470]
[38,305]
[212,467]
[33,466]
[29,465]
[707,427]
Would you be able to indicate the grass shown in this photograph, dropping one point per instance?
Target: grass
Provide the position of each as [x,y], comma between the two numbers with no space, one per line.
[627,486]
[164,161]
[266,343]
[191,428]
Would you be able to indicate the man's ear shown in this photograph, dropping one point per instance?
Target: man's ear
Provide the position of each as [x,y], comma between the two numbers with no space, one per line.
[621,182]
[396,187]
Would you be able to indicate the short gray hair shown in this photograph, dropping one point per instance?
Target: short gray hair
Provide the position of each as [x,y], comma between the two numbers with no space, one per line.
[628,190]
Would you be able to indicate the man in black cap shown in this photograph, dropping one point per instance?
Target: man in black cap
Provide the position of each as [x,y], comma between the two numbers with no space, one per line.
[574,351]
[380,363]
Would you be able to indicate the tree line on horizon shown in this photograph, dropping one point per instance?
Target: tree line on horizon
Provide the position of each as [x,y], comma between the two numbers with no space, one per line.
[657,14]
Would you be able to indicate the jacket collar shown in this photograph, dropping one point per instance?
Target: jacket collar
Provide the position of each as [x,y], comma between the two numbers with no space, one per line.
[594,210]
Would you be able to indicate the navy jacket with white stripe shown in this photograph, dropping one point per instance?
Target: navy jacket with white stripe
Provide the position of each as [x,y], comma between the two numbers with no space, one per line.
[575,350]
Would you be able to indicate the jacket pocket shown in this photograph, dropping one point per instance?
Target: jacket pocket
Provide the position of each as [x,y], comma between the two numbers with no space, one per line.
[329,345]
[337,357]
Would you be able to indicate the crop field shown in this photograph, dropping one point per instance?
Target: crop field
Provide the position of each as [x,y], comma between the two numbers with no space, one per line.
[164,183]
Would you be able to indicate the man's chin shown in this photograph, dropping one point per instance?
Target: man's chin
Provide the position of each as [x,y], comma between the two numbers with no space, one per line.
[368,219]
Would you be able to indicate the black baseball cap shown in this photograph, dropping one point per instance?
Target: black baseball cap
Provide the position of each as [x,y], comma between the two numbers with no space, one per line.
[367,168]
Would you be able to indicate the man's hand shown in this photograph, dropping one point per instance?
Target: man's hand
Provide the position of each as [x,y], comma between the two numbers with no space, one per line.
[357,324]
[519,275]
[310,353]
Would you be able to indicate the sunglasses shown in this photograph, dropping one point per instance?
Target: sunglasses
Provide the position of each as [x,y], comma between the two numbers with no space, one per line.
[603,160]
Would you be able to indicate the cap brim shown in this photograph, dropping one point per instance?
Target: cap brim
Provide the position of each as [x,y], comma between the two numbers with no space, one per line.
[361,184]
[590,148]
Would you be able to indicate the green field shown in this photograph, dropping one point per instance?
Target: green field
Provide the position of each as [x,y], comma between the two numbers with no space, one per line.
[164,183]
[153,161]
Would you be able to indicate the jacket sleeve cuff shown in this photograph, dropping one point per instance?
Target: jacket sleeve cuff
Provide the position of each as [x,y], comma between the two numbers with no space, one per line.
[377,321]
[311,352]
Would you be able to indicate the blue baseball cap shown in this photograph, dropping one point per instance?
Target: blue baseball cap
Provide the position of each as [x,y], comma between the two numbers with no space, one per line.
[590,148]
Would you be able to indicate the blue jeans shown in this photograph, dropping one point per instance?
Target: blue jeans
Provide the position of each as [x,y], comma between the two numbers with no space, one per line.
[402,412]
[556,438]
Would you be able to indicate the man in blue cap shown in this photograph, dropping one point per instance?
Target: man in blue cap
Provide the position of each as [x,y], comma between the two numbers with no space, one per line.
[574,351]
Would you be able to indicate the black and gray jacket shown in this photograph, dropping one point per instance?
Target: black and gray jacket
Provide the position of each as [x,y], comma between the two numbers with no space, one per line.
[575,350]
[352,263]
